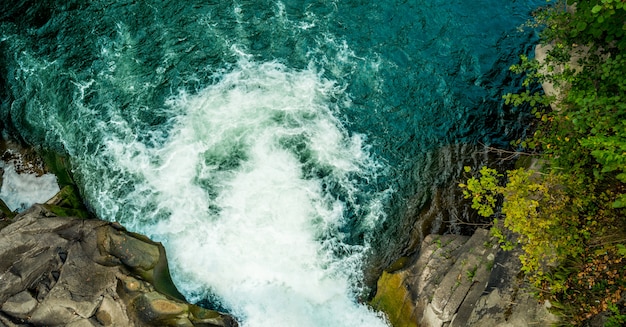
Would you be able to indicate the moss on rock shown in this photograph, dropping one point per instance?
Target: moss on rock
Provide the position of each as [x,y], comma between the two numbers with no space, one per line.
[391,298]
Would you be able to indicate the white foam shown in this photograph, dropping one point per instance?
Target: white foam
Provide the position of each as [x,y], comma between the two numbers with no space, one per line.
[248,219]
[21,190]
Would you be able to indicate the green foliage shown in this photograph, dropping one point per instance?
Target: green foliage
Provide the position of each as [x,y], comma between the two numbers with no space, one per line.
[593,111]
[471,273]
[539,210]
[496,231]
[618,319]
[569,216]
[599,22]
[482,190]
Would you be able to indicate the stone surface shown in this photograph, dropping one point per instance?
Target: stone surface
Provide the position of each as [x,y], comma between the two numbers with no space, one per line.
[111,312]
[460,281]
[20,305]
[67,271]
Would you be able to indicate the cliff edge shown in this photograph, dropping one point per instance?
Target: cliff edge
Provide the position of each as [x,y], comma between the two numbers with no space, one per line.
[460,281]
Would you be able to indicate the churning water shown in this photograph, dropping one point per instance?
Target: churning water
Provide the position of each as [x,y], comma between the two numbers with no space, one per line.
[268,144]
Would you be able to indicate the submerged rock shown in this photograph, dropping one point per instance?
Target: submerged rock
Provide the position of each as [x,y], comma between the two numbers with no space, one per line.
[460,281]
[68,271]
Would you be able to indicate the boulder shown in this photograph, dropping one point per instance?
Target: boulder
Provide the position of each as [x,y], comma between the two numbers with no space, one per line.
[460,281]
[68,271]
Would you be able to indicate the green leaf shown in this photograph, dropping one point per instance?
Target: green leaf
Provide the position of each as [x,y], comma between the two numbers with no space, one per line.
[620,202]
[596,9]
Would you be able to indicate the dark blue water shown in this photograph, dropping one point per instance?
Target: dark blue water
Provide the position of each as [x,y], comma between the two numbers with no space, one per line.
[272,146]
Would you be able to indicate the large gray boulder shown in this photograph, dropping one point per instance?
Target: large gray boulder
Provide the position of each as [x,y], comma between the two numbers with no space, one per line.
[68,271]
[460,281]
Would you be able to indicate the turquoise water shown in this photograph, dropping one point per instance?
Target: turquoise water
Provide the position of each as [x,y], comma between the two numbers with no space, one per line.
[270,145]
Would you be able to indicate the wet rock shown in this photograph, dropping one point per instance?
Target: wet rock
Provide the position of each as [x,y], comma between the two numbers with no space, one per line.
[156,308]
[68,271]
[395,299]
[67,203]
[111,312]
[25,159]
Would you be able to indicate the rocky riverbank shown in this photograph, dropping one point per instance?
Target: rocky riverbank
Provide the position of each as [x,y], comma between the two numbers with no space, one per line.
[68,271]
[455,280]
[460,281]
[58,268]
